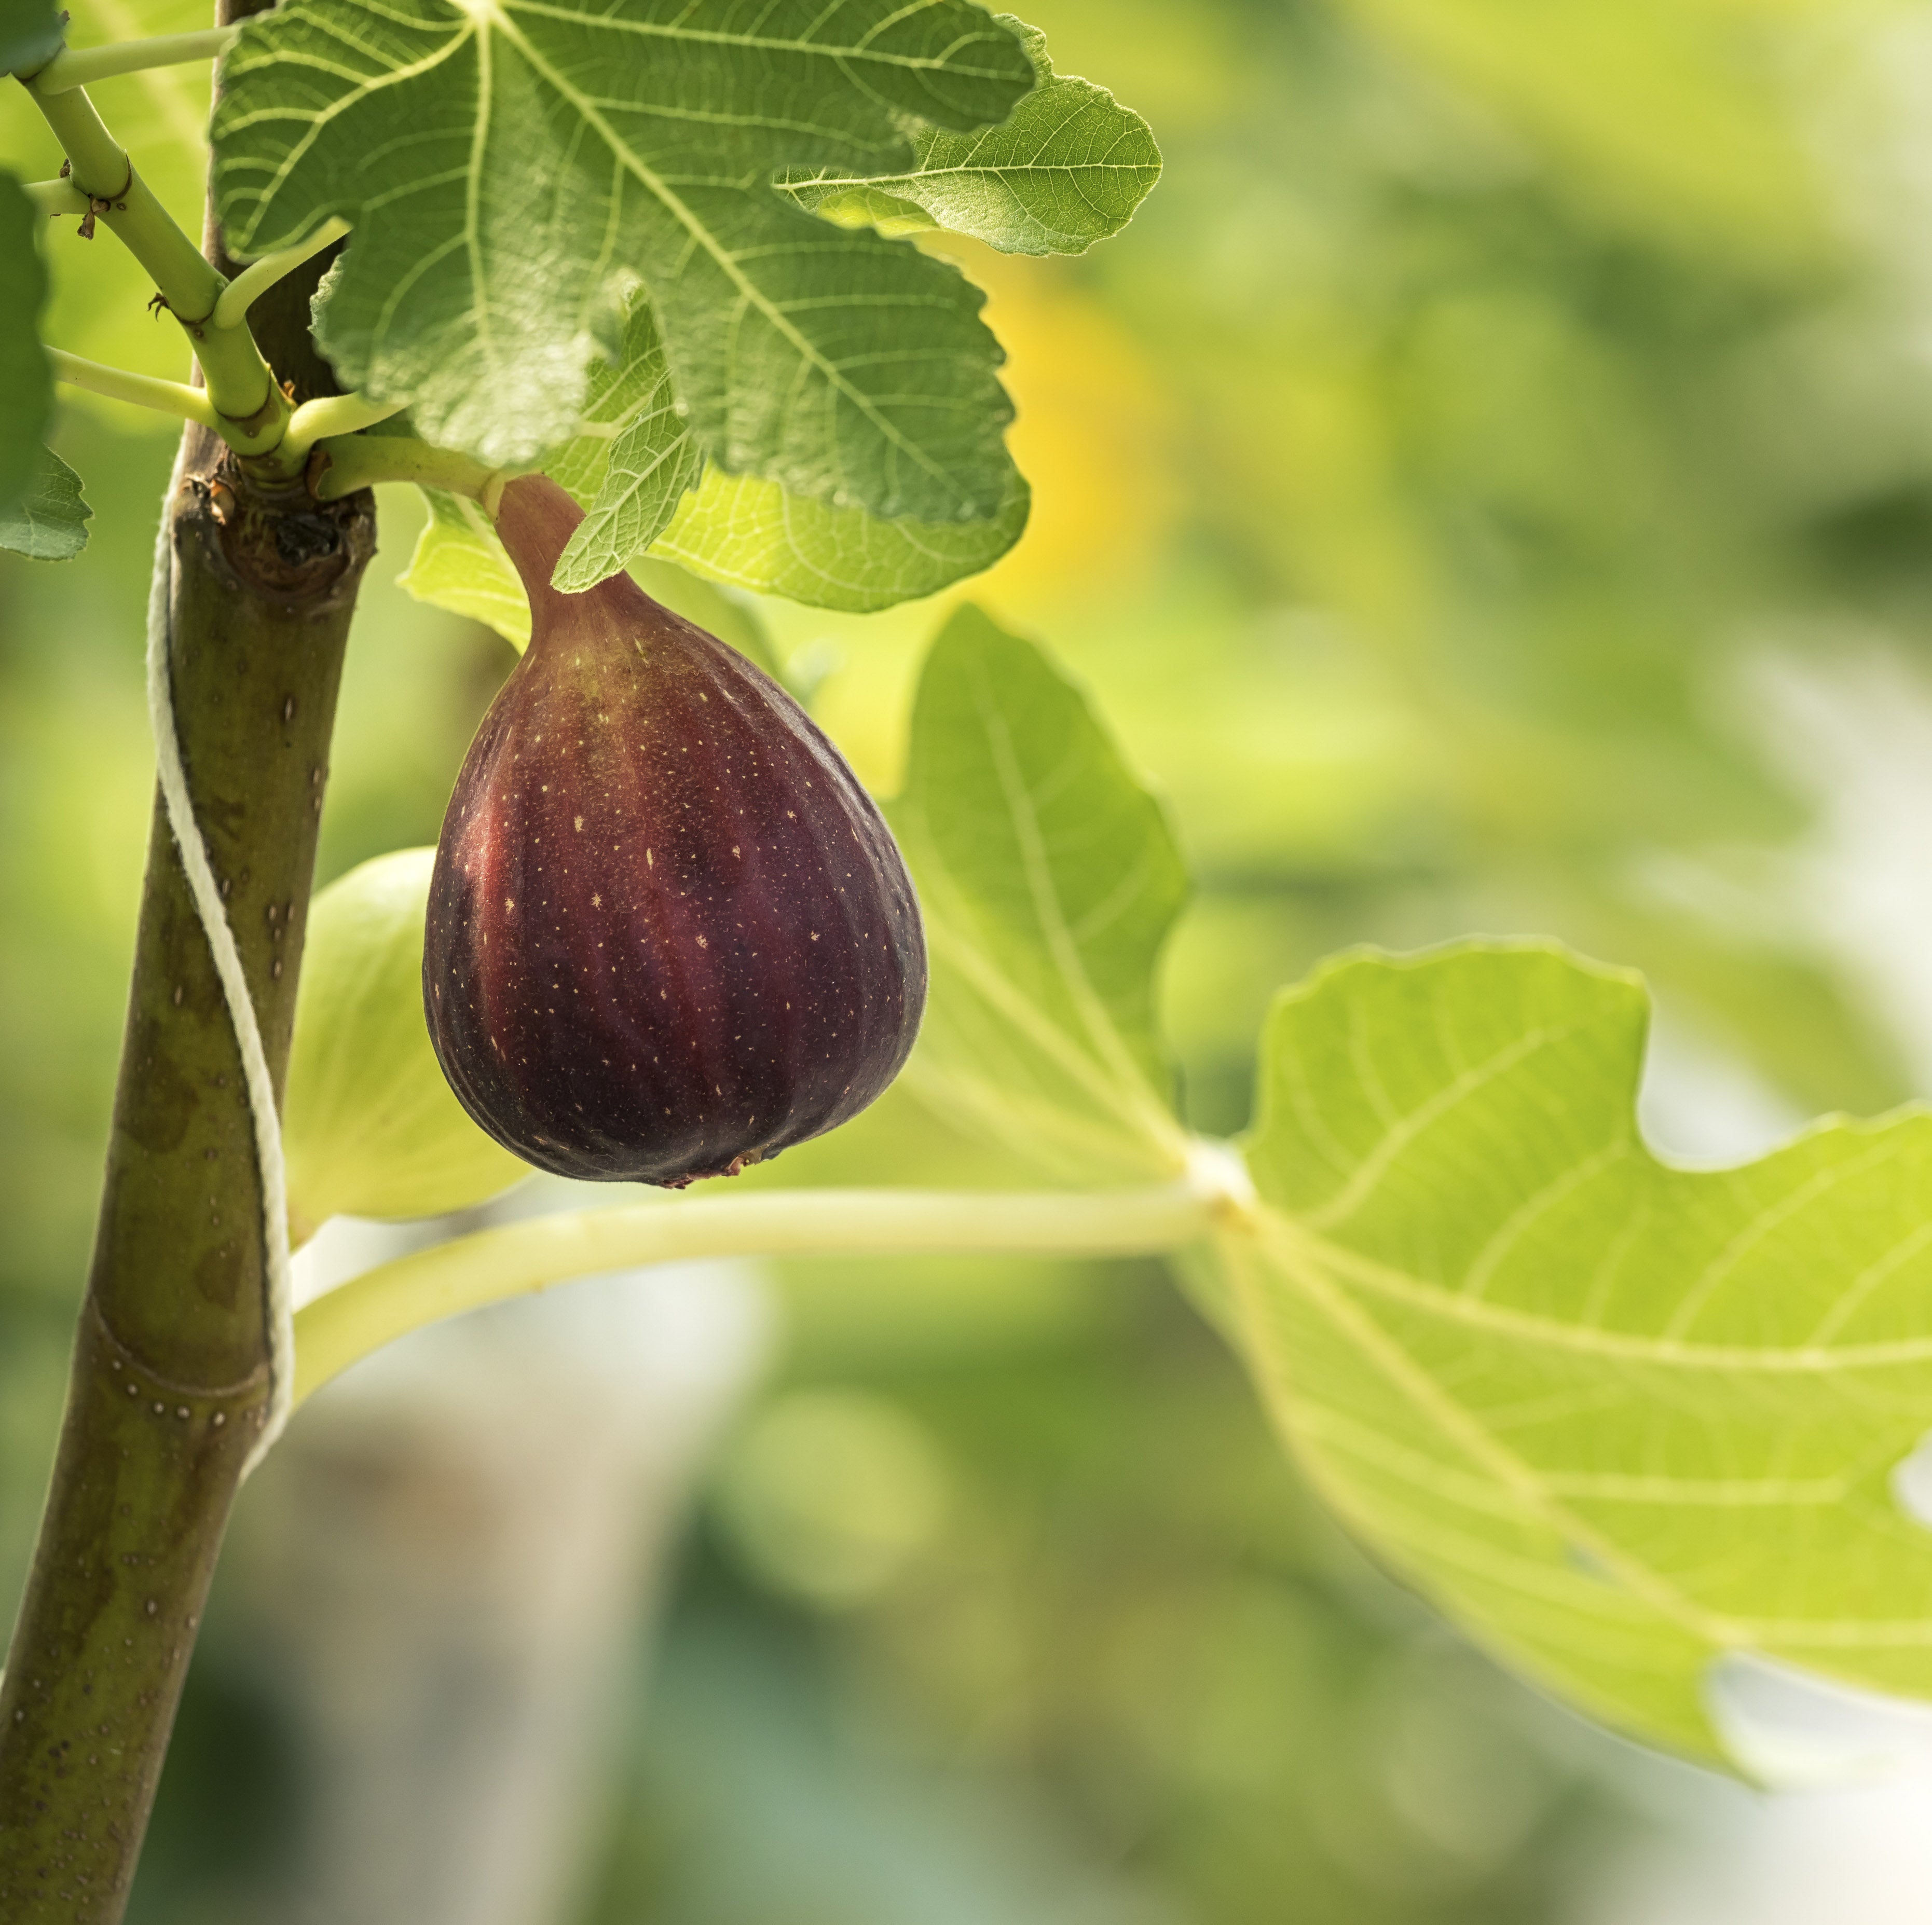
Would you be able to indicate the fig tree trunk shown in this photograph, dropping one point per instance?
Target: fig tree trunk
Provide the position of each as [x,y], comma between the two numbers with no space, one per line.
[170,1375]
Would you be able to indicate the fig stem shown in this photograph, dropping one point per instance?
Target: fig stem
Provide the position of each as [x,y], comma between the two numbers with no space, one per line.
[359,1317]
[143,391]
[247,287]
[347,462]
[331,414]
[53,198]
[72,67]
[252,410]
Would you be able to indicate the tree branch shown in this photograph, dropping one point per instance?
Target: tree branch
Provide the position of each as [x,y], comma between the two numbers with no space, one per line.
[171,1378]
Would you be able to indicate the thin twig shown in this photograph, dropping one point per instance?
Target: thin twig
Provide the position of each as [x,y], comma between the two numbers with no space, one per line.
[144,391]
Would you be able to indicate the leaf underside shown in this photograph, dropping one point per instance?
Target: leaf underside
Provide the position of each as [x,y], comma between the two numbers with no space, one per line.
[751,534]
[510,165]
[49,522]
[1619,1418]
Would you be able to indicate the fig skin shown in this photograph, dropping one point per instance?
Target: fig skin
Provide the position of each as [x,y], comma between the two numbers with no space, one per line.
[669,934]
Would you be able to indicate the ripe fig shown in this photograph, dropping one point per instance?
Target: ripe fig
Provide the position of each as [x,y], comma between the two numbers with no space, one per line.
[668,933]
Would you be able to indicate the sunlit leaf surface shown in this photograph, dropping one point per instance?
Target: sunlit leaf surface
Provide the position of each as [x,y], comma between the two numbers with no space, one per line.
[508,166]
[1049,880]
[753,534]
[1619,1418]
[634,467]
[1066,168]
[632,460]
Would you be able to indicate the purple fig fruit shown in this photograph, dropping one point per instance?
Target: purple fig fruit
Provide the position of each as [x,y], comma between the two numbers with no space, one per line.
[669,934]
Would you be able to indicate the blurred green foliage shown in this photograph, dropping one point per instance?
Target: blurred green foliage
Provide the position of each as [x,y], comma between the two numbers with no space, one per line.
[1481,387]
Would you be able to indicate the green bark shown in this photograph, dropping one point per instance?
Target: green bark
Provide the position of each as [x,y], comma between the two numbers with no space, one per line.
[170,1377]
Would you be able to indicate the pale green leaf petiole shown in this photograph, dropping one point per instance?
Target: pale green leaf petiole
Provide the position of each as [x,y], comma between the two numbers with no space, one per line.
[359,1318]
[359,461]
[72,67]
[253,282]
[332,415]
[144,391]
[56,197]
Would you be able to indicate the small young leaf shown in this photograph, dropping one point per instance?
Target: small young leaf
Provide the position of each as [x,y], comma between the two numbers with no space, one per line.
[26,385]
[460,565]
[752,535]
[508,166]
[1620,1419]
[49,522]
[1049,879]
[1066,168]
[369,1125]
[631,462]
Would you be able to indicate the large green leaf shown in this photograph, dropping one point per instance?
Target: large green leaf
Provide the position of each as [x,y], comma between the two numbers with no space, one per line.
[49,521]
[753,534]
[508,164]
[26,385]
[1049,879]
[1066,168]
[634,467]
[1619,1419]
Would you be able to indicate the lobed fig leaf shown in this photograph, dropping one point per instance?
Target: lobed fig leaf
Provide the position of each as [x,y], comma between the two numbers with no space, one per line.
[369,1127]
[668,933]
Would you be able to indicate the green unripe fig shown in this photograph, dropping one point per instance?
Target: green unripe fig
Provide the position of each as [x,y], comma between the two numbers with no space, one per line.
[369,1125]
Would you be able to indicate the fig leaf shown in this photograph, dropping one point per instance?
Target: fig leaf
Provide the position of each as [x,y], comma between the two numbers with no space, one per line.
[368,1124]
[752,535]
[510,167]
[1049,878]
[49,522]
[1620,1419]
[1066,168]
[30,33]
